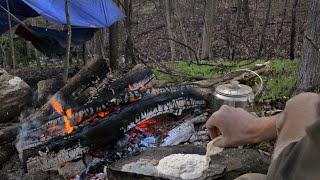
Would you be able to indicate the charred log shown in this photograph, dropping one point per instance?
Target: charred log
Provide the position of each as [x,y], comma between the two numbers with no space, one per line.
[92,85]
[93,73]
[40,153]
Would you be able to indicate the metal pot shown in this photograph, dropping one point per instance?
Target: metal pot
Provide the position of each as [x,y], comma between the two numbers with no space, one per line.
[233,94]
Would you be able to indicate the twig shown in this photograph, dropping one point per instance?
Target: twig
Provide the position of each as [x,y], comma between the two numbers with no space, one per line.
[165,69]
[187,46]
[150,30]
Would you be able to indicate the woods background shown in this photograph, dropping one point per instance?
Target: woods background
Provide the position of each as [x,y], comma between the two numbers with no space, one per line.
[187,30]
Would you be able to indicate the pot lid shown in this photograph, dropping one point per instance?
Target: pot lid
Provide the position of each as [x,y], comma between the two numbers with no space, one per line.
[234,89]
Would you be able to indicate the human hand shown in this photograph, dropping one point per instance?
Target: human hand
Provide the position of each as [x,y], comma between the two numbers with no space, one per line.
[236,126]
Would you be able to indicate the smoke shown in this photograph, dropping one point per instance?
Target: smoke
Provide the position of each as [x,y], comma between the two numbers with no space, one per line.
[24,131]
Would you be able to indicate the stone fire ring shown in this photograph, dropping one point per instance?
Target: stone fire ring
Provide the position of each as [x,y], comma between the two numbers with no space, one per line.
[229,164]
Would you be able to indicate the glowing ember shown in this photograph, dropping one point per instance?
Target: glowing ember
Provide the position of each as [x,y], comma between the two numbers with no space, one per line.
[147,123]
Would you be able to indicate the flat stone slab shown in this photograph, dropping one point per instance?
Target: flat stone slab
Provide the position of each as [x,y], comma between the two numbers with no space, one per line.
[229,164]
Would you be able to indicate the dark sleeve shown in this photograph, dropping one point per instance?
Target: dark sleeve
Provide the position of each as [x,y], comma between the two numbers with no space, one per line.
[300,160]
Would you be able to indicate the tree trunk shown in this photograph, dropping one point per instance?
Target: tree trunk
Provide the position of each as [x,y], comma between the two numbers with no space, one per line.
[13,58]
[168,12]
[114,46]
[129,49]
[293,30]
[264,29]
[84,59]
[209,22]
[309,76]
[178,6]
[246,12]
[103,39]
[66,61]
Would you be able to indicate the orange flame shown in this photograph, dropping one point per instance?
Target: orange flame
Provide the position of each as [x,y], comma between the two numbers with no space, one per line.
[69,113]
[68,128]
[58,107]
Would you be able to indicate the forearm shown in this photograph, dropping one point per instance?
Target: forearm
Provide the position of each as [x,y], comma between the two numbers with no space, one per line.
[265,129]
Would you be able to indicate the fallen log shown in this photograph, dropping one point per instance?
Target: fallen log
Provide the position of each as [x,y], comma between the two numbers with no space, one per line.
[238,75]
[35,74]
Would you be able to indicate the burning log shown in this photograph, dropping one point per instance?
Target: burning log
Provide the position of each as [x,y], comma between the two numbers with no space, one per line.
[92,85]
[42,148]
[89,76]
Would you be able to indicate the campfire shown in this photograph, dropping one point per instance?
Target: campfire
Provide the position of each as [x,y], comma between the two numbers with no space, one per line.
[125,116]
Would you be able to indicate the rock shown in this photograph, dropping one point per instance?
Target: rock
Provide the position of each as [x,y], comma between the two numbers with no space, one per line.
[47,88]
[194,138]
[228,164]
[15,94]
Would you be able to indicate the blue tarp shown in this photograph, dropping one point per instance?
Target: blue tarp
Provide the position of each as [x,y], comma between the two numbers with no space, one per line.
[83,13]
[51,41]
[17,8]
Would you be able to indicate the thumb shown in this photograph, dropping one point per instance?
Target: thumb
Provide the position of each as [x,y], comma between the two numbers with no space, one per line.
[219,142]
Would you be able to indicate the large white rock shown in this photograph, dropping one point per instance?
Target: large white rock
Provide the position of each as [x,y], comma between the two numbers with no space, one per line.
[15,94]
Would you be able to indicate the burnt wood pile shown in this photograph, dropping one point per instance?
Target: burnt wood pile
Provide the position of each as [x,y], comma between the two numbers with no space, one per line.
[92,112]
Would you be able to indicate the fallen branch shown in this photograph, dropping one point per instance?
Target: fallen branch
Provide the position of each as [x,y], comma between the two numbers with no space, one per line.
[187,46]
[234,76]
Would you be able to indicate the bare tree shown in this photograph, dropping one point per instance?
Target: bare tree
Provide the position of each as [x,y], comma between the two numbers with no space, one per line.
[208,29]
[246,12]
[114,46]
[181,25]
[293,30]
[67,58]
[264,28]
[309,76]
[129,47]
[12,52]
[169,25]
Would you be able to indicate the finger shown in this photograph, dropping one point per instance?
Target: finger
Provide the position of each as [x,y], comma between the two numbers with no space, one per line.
[212,121]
